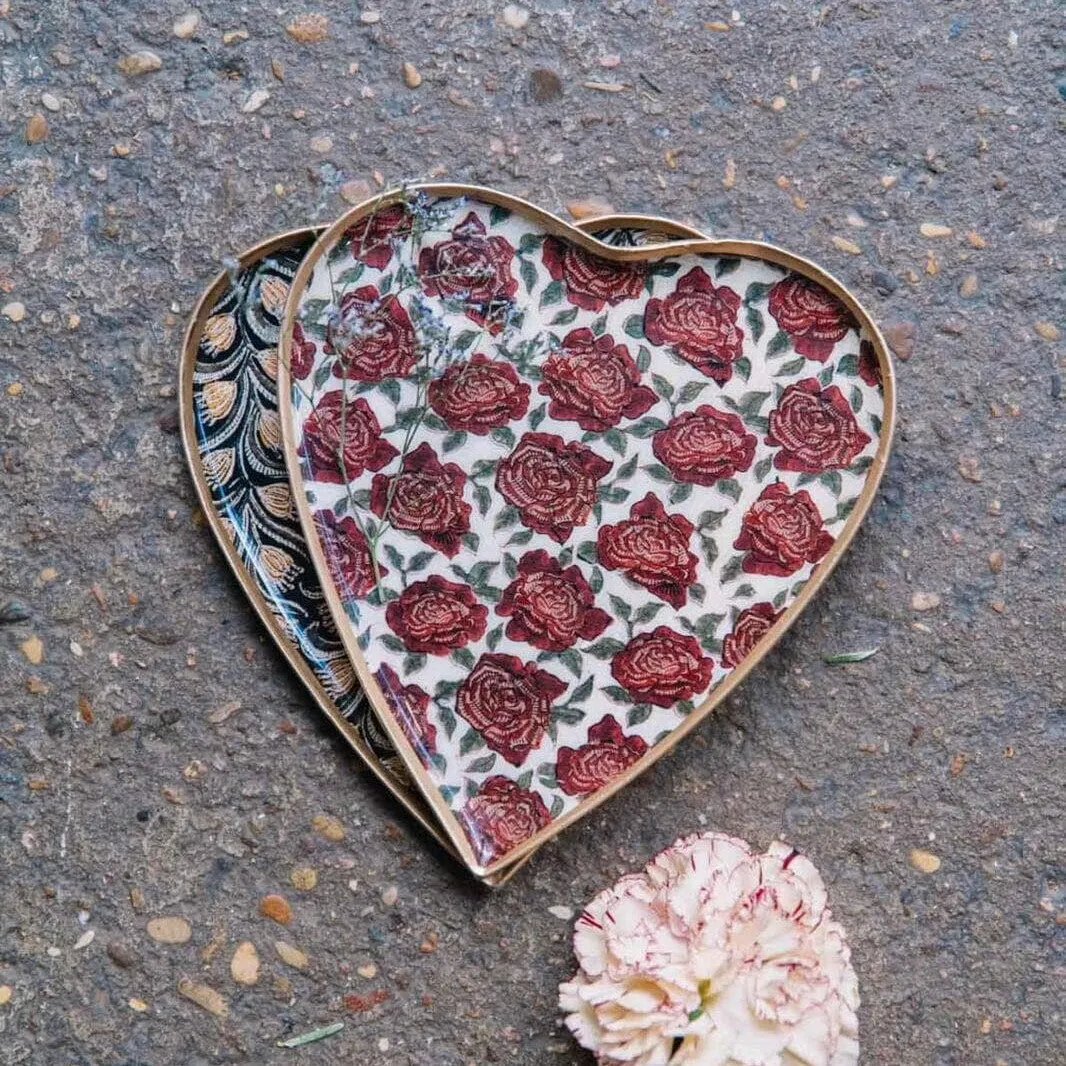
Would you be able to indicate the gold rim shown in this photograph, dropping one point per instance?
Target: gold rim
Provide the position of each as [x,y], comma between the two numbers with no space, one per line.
[559,227]
[414,805]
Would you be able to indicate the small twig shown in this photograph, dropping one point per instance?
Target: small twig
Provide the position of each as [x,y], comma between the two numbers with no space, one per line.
[313,1036]
[650,84]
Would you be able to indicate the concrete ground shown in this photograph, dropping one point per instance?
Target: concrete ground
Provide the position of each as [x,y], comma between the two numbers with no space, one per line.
[836,129]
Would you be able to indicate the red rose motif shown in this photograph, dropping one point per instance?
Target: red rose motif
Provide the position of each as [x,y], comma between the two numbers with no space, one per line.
[370,240]
[410,705]
[815,429]
[364,447]
[553,484]
[479,395]
[781,531]
[662,667]
[347,555]
[550,607]
[608,753]
[869,367]
[594,382]
[500,816]
[473,269]
[750,627]
[704,446]
[301,353]
[651,548]
[591,282]
[509,703]
[374,337]
[811,315]
[699,322]
[427,500]
[436,616]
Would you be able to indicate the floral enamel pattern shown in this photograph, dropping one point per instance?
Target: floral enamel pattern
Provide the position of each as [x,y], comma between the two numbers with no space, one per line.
[593,488]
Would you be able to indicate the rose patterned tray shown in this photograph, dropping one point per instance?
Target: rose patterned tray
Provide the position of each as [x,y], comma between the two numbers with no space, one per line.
[228,400]
[563,496]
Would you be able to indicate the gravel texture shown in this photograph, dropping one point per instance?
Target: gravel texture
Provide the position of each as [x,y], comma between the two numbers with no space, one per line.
[925,782]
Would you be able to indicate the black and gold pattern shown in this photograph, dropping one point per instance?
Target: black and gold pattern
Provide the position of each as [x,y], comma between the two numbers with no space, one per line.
[235,410]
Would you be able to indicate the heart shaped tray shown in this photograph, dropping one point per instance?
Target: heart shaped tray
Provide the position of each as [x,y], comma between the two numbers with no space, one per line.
[582,489]
[228,401]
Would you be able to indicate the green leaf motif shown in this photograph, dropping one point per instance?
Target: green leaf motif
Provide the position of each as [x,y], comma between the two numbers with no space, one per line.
[793,366]
[844,509]
[616,441]
[647,613]
[536,416]
[394,557]
[582,692]
[471,742]
[663,387]
[646,427]
[732,569]
[640,713]
[599,327]
[634,327]
[482,765]
[856,399]
[621,607]
[697,593]
[779,343]
[420,561]
[627,468]
[613,494]
[507,517]
[616,693]
[744,591]
[546,775]
[498,214]
[483,498]
[729,487]
[743,368]
[523,536]
[643,358]
[413,662]
[586,552]
[658,472]
[779,599]
[504,437]
[552,294]
[471,541]
[605,648]
[571,659]
[762,467]
[596,581]
[757,290]
[691,390]
[453,440]
[726,265]
[529,243]
[525,780]
[392,643]
[529,273]
[567,715]
[557,807]
[756,322]
[848,365]
[825,378]
[494,638]
[564,318]
[391,389]
[832,480]
[681,492]
[463,657]
[711,519]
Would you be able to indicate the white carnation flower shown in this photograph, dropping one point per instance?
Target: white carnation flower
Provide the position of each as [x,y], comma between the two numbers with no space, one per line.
[714,956]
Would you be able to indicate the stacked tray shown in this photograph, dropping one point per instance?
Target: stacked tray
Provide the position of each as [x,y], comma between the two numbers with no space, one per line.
[520,501]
